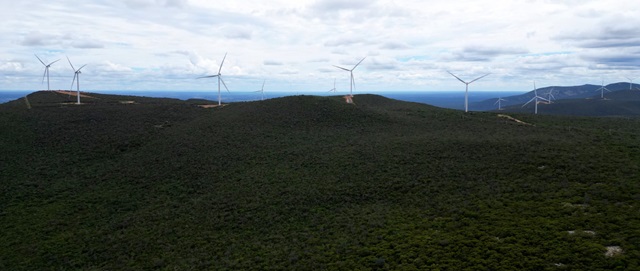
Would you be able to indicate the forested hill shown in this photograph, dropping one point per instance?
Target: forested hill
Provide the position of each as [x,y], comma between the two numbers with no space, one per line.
[312,183]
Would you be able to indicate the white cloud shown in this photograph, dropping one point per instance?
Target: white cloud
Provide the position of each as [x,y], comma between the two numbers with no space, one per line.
[167,43]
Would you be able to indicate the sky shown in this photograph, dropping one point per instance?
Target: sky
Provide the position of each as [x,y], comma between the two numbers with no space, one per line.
[294,45]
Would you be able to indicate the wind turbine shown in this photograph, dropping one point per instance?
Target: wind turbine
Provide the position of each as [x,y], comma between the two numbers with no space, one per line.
[630,82]
[352,85]
[550,95]
[219,75]
[536,98]
[334,86]
[499,102]
[76,75]
[466,91]
[46,70]
[262,89]
[602,89]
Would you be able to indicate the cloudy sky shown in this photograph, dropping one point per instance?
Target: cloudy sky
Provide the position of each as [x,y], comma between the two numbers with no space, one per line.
[293,45]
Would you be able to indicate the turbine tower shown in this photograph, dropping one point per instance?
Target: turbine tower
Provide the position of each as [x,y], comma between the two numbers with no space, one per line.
[630,82]
[262,89]
[76,74]
[499,102]
[46,70]
[334,86]
[466,91]
[219,75]
[602,89]
[352,85]
[536,98]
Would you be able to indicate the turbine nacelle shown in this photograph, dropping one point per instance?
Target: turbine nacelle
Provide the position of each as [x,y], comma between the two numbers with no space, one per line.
[76,78]
[536,98]
[46,70]
[352,84]
[466,94]
[219,76]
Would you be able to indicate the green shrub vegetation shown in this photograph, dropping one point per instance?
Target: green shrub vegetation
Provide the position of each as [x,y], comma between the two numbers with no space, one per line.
[312,183]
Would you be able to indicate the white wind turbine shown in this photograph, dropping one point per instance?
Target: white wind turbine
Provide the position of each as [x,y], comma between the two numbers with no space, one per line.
[466,91]
[499,102]
[76,74]
[219,75]
[630,82]
[334,86]
[550,95]
[602,89]
[536,98]
[352,85]
[46,70]
[262,89]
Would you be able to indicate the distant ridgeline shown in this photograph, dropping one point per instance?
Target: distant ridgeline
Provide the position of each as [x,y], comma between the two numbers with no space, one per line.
[619,99]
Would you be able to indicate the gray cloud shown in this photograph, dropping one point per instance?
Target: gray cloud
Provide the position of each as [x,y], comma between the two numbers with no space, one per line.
[87,44]
[337,5]
[289,72]
[272,63]
[327,70]
[614,58]
[483,53]
[618,33]
[394,45]
[343,41]
[137,4]
[38,39]
[238,34]
[175,3]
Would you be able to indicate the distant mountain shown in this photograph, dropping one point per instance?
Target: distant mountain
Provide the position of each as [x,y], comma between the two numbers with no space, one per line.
[558,93]
[617,103]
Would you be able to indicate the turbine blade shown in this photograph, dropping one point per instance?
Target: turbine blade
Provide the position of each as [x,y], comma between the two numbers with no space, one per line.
[354,67]
[478,78]
[353,80]
[225,85]
[53,62]
[40,60]
[74,69]
[342,68]
[222,63]
[44,74]
[73,81]
[82,67]
[457,77]
[264,81]
[529,101]
[208,76]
